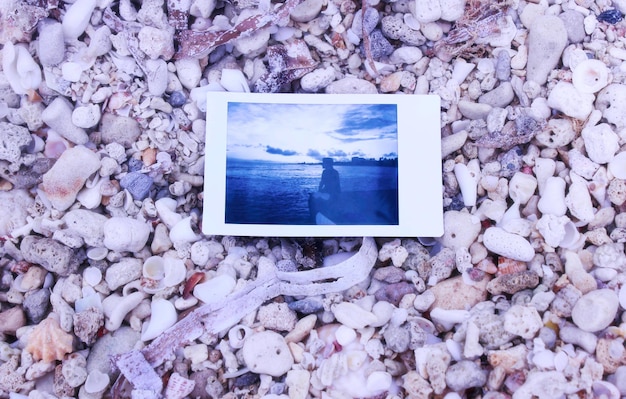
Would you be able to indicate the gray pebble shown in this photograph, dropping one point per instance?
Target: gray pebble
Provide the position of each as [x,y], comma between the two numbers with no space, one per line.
[389,274]
[308,305]
[351,86]
[574,25]
[52,255]
[123,272]
[14,137]
[511,162]
[137,184]
[36,305]
[503,66]
[512,283]
[379,46]
[500,97]
[619,379]
[547,39]
[119,129]
[397,338]
[565,300]
[465,374]
[120,341]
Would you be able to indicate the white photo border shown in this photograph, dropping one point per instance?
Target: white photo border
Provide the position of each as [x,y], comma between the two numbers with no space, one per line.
[420,204]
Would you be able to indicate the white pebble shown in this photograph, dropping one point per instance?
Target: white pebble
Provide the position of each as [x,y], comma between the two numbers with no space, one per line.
[510,245]
[595,310]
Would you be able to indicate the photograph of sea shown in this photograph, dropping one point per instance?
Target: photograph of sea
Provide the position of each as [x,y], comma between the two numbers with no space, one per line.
[303,164]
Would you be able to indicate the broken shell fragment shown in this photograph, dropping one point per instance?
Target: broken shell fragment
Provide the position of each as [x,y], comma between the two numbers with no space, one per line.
[164,316]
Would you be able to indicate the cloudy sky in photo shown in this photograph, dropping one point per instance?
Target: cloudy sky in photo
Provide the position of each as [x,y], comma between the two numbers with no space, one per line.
[296,133]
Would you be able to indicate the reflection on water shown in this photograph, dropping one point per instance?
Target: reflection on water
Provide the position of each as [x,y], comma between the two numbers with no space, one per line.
[273,193]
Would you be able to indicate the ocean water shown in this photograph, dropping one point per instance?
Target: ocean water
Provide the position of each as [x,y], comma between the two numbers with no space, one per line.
[275,193]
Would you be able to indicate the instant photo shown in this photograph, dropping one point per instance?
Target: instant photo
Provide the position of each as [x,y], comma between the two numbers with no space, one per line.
[322,165]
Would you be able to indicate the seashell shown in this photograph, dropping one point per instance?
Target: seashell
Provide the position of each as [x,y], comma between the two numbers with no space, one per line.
[97,253]
[154,268]
[552,200]
[468,183]
[617,165]
[510,266]
[166,209]
[461,69]
[77,18]
[90,299]
[96,382]
[237,336]
[183,232]
[164,316]
[234,80]
[116,307]
[174,271]
[20,69]
[90,196]
[215,289]
[92,276]
[590,76]
[48,342]
[604,389]
[178,387]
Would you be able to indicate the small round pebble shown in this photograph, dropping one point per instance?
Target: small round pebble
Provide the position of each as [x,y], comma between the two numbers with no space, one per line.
[177,99]
[595,310]
[266,352]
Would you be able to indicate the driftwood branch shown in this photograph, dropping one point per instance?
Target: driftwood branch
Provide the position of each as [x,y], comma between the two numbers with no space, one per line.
[138,367]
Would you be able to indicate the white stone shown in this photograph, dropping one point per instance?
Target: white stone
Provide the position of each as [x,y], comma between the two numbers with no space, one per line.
[590,76]
[595,310]
[522,186]
[20,69]
[578,200]
[188,72]
[552,229]
[612,102]
[406,55]
[318,79]
[157,76]
[51,44]
[58,116]
[351,85]
[77,18]
[601,142]
[581,165]
[565,98]
[617,165]
[266,352]
[510,245]
[557,133]
[578,276]
[214,289]
[86,116]
[452,143]
[156,42]
[352,315]
[451,10]
[524,321]
[426,10]
[123,234]
[552,199]
[460,229]
[307,10]
[468,183]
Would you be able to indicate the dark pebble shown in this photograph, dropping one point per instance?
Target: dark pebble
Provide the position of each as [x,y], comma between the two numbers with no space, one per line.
[379,45]
[36,305]
[393,293]
[177,99]
[610,16]
[137,184]
[511,162]
[135,165]
[245,380]
[457,203]
[307,305]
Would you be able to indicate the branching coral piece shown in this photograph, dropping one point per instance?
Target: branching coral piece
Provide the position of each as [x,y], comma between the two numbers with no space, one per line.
[197,44]
[286,63]
[138,366]
[367,47]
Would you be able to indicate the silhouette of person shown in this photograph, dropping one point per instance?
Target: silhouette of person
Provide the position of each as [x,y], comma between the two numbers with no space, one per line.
[330,179]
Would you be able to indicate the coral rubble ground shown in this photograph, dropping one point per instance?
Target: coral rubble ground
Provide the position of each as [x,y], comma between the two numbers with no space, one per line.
[108,288]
